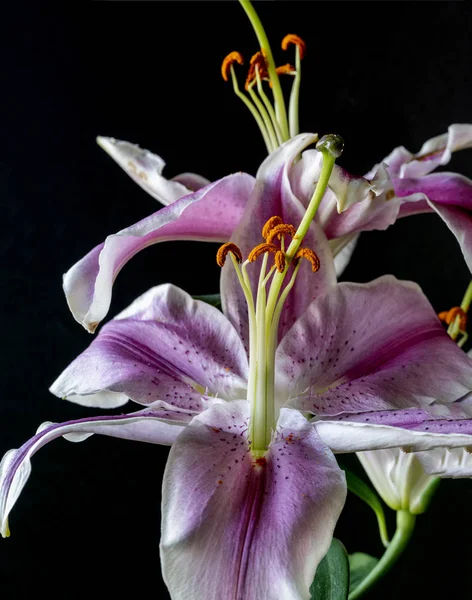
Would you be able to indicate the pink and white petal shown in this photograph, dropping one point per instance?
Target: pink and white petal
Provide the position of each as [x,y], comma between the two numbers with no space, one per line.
[272,196]
[145,168]
[165,346]
[210,214]
[192,181]
[449,195]
[435,152]
[342,249]
[236,527]
[156,425]
[372,346]
[413,429]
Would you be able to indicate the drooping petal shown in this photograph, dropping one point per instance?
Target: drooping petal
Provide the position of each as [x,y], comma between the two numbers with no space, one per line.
[235,527]
[210,214]
[273,196]
[156,425]
[373,346]
[450,195]
[435,152]
[165,346]
[414,429]
[145,168]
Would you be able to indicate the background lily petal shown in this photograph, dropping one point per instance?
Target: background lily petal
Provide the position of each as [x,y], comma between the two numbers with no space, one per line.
[209,214]
[155,425]
[145,168]
[165,346]
[236,528]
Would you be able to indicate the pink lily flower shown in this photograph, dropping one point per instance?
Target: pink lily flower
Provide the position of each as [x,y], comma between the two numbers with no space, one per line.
[252,490]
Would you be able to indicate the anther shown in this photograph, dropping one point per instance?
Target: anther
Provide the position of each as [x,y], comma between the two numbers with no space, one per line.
[291,38]
[449,316]
[261,249]
[311,256]
[279,230]
[223,252]
[271,223]
[228,61]
[287,69]
[257,61]
[279,260]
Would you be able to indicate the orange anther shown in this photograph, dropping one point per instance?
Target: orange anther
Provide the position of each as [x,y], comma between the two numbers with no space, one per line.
[271,223]
[311,256]
[228,61]
[279,260]
[261,249]
[287,69]
[223,251]
[449,316]
[291,38]
[258,61]
[279,230]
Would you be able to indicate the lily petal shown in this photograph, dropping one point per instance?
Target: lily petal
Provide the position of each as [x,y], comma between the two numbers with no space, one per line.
[447,462]
[333,360]
[156,425]
[210,214]
[165,346]
[145,168]
[235,527]
[435,152]
[273,195]
[449,195]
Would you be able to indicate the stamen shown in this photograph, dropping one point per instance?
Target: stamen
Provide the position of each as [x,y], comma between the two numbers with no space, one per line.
[292,38]
[223,252]
[258,60]
[279,230]
[261,249]
[279,260]
[271,223]
[228,61]
[449,316]
[287,69]
[311,256]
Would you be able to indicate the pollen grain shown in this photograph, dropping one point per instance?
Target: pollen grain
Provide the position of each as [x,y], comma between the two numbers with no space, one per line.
[279,230]
[261,249]
[271,223]
[448,316]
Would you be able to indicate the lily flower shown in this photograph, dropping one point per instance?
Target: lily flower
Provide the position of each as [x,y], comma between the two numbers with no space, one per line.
[252,490]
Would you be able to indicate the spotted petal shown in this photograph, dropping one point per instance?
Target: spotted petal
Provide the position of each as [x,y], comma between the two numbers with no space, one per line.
[210,214]
[165,346]
[145,168]
[375,346]
[155,425]
[234,527]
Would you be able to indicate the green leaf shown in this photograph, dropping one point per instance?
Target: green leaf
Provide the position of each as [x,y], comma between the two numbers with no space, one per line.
[360,565]
[213,299]
[332,576]
[363,491]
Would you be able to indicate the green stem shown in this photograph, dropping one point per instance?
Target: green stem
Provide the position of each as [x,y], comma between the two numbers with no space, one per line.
[405,527]
[453,329]
[274,78]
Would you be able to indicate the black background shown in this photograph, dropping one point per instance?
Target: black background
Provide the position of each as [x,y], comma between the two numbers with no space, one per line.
[380,74]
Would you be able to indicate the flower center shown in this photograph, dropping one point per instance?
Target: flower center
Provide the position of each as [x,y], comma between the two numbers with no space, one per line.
[265,308]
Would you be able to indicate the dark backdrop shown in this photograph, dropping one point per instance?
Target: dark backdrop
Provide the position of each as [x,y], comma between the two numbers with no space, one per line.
[379,74]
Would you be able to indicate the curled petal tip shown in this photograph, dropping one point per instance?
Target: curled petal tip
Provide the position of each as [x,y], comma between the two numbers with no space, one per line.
[332,143]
